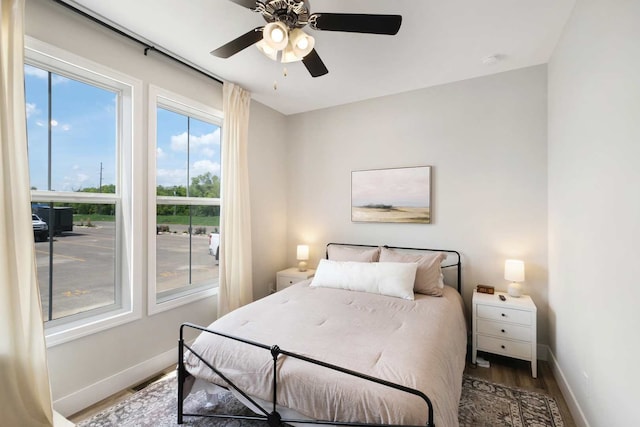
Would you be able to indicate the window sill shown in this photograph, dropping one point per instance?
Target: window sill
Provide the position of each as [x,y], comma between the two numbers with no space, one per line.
[177,300]
[83,327]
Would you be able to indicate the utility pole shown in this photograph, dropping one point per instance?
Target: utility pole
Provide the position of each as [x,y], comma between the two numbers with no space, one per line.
[100,188]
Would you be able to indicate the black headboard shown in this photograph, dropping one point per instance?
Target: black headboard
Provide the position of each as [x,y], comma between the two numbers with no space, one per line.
[457,265]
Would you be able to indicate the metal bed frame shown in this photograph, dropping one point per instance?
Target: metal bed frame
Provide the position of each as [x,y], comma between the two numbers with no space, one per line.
[271,416]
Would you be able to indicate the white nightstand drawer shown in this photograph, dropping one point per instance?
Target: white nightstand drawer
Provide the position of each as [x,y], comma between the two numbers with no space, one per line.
[517,349]
[504,314]
[286,281]
[288,277]
[504,330]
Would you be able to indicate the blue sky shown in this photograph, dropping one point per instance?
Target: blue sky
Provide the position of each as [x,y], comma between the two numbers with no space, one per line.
[84,133]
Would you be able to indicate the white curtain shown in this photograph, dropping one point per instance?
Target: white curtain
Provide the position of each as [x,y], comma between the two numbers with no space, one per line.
[25,396]
[236,284]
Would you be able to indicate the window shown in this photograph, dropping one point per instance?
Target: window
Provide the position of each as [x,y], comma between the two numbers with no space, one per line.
[186,159]
[79,128]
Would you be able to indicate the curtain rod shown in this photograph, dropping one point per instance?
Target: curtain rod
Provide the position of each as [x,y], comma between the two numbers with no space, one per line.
[147,46]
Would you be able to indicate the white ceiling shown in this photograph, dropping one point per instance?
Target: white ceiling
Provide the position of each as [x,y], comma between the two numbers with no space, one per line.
[440,41]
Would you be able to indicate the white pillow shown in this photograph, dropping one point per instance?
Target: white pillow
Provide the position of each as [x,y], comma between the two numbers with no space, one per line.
[393,279]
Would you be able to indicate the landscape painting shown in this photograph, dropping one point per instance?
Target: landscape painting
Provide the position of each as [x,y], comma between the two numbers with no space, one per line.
[391,195]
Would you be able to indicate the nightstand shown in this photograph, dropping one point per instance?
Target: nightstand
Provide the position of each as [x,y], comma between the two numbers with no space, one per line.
[506,327]
[288,277]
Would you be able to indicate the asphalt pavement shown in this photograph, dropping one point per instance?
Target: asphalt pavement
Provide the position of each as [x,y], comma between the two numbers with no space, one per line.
[84,267]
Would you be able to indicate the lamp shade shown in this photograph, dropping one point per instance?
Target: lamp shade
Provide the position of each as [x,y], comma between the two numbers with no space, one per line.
[301,43]
[514,270]
[288,55]
[302,253]
[267,50]
[275,35]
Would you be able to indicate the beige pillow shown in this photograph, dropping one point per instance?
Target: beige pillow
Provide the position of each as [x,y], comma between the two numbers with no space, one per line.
[347,253]
[428,276]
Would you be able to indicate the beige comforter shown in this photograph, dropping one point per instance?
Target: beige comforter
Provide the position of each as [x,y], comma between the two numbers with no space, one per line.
[420,344]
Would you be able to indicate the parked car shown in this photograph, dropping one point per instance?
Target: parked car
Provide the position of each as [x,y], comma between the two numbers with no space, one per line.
[40,228]
[214,246]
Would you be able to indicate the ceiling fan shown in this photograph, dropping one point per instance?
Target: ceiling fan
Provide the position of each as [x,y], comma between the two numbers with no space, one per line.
[282,37]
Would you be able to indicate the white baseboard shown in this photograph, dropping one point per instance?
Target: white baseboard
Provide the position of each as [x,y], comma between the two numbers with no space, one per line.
[81,399]
[576,411]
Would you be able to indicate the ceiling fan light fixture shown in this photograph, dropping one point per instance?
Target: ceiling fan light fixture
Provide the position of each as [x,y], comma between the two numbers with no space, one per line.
[275,35]
[267,50]
[301,42]
[289,55]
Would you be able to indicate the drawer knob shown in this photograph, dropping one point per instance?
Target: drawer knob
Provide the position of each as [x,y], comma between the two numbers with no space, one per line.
[503,331]
[503,315]
[503,347]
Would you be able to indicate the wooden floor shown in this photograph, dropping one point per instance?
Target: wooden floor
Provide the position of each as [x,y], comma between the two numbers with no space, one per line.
[517,373]
[503,370]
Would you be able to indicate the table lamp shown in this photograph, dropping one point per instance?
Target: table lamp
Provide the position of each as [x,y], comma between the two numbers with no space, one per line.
[302,255]
[514,272]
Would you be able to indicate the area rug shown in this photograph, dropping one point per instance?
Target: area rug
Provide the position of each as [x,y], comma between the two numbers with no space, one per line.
[483,404]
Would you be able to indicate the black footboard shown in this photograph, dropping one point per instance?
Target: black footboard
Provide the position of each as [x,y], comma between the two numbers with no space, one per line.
[271,415]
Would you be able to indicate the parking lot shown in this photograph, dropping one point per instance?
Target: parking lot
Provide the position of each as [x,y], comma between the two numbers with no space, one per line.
[84,266]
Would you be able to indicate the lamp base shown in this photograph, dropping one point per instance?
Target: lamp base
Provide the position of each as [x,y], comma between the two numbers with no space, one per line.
[515,290]
[302,266]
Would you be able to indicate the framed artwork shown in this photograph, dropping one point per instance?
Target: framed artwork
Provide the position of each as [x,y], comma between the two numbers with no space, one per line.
[391,195]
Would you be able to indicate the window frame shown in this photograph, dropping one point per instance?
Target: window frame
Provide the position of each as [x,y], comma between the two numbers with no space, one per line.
[162,98]
[128,182]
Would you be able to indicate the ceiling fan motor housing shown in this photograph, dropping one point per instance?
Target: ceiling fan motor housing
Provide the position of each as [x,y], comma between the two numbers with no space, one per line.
[292,13]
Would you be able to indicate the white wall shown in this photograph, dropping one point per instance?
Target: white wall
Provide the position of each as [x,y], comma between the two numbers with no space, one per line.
[594,211]
[486,140]
[268,176]
[91,368]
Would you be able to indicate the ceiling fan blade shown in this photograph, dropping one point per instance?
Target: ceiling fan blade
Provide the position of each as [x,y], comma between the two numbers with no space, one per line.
[314,64]
[356,23]
[249,4]
[242,42]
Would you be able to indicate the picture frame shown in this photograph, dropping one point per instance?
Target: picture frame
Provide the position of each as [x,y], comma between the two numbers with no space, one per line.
[397,195]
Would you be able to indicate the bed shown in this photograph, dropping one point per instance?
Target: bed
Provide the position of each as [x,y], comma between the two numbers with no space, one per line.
[325,354]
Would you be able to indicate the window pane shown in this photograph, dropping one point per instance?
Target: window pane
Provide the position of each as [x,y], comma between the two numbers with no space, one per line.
[186,247]
[37,102]
[83,133]
[80,274]
[171,153]
[72,144]
[188,165]
[204,159]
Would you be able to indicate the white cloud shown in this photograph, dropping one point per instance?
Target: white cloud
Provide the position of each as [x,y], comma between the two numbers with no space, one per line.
[160,153]
[54,123]
[208,152]
[76,182]
[42,74]
[171,177]
[203,166]
[179,142]
[35,72]
[31,109]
